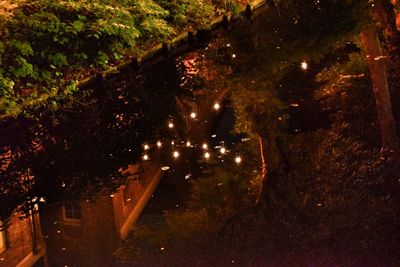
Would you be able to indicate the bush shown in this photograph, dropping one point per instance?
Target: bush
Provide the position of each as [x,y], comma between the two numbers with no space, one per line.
[46,44]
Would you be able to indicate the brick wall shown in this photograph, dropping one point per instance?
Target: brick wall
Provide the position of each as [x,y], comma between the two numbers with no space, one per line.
[19,241]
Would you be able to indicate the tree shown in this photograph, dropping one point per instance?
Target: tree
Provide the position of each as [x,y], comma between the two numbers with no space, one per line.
[377,68]
[362,13]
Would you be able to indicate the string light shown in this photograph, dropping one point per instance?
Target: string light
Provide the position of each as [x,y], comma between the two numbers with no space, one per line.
[233,55]
[175,154]
[146,147]
[304,65]
[188,144]
[206,155]
[222,150]
[238,159]
[170,125]
[146,157]
[159,144]
[172,143]
[193,115]
[204,146]
[216,106]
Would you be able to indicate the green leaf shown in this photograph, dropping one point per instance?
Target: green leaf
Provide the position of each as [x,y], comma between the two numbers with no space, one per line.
[78,25]
[24,48]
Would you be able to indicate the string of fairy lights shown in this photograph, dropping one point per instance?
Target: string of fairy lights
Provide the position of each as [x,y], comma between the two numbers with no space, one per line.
[207,153]
[176,152]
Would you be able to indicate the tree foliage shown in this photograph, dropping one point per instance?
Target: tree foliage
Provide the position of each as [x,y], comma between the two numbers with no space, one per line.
[47,46]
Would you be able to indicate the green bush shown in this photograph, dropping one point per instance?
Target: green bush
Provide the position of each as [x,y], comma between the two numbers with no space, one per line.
[45,42]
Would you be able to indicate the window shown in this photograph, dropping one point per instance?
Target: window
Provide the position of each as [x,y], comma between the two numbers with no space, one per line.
[72,211]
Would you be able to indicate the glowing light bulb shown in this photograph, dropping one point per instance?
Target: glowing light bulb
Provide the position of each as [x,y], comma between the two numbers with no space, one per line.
[216,106]
[170,125]
[233,55]
[238,159]
[146,147]
[222,150]
[204,146]
[304,65]
[206,155]
[159,144]
[188,144]
[146,157]
[175,154]
[193,115]
[172,143]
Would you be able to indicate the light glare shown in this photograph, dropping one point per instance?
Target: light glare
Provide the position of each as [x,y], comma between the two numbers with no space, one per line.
[238,159]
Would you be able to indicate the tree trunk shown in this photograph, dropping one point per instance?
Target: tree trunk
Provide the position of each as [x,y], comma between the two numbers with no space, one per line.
[33,226]
[377,68]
